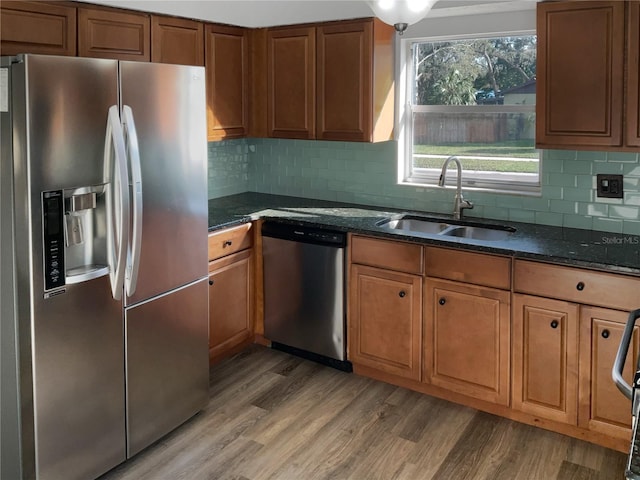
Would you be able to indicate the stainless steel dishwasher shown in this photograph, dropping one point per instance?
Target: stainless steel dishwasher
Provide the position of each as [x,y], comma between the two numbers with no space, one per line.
[304,298]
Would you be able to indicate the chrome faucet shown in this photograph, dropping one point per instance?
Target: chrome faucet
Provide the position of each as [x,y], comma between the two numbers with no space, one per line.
[459,202]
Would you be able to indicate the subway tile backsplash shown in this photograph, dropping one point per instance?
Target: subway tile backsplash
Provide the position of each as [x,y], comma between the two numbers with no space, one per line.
[365,173]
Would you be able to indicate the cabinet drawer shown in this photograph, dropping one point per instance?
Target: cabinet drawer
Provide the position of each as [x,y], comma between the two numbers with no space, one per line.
[577,285]
[469,267]
[403,257]
[231,240]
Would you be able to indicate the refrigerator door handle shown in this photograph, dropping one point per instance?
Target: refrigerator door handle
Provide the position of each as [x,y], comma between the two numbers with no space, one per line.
[117,201]
[133,253]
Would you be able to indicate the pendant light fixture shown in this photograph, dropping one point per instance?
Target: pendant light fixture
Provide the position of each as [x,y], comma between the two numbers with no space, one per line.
[401,13]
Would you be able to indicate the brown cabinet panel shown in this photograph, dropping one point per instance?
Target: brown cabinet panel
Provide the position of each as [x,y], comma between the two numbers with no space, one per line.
[467,337]
[177,40]
[469,267]
[385,330]
[403,257]
[230,240]
[633,75]
[580,74]
[291,67]
[37,27]
[603,407]
[122,35]
[230,303]
[578,285]
[345,76]
[227,62]
[545,358]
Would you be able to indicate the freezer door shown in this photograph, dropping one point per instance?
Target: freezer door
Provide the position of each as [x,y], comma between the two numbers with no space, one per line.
[167,363]
[168,106]
[70,348]
[78,356]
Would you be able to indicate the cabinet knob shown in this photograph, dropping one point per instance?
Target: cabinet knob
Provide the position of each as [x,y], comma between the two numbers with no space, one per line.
[402,294]
[442,301]
[227,243]
[554,324]
[580,286]
[605,334]
[210,282]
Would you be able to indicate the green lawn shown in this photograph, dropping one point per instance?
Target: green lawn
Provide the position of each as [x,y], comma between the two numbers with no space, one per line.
[513,149]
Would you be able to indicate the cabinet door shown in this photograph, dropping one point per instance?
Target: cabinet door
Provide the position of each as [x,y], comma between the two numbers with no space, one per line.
[386,320]
[603,407]
[122,35]
[344,89]
[227,63]
[633,75]
[545,358]
[467,336]
[177,40]
[230,312]
[36,27]
[580,73]
[291,71]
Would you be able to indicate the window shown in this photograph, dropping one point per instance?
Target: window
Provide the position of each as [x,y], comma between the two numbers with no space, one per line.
[475,99]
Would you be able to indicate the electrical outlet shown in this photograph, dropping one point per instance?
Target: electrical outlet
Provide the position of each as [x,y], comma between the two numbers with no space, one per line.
[609,186]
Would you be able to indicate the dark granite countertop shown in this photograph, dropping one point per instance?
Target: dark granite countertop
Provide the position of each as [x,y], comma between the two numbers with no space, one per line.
[570,246]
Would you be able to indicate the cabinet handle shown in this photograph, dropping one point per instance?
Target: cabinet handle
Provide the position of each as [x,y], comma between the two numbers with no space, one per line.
[442,301]
[554,324]
[605,334]
[210,282]
[227,243]
[402,294]
[580,286]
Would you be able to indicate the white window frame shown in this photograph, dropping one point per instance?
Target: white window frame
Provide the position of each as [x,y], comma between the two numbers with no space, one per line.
[494,182]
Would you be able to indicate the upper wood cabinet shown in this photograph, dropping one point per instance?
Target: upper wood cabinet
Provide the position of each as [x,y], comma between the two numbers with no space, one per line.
[331,81]
[37,27]
[177,40]
[122,35]
[291,82]
[227,63]
[633,75]
[355,85]
[581,75]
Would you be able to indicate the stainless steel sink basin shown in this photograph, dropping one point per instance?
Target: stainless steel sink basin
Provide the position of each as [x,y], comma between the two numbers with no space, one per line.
[420,226]
[478,233]
[414,224]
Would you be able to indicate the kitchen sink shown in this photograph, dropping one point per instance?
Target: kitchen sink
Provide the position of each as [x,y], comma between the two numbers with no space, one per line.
[413,224]
[416,224]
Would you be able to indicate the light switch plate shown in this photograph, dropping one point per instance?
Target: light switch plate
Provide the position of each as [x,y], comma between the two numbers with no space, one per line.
[609,186]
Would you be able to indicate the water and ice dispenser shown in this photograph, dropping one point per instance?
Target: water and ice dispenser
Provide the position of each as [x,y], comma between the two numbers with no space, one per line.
[75,235]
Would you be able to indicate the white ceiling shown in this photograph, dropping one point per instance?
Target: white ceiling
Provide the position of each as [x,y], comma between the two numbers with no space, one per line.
[264,13]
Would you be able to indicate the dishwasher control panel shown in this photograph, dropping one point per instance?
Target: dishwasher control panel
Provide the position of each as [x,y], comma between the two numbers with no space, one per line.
[303,234]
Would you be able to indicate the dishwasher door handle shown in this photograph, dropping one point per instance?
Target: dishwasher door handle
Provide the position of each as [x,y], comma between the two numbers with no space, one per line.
[623,348]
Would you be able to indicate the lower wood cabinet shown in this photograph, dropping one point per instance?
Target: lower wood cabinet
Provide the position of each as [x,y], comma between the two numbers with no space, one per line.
[466,346]
[230,303]
[386,320]
[545,358]
[231,280]
[603,408]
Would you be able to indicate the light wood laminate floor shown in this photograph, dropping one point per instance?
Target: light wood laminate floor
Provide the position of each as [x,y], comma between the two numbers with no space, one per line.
[275,416]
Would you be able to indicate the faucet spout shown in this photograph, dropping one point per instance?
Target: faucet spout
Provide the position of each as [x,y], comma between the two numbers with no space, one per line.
[459,203]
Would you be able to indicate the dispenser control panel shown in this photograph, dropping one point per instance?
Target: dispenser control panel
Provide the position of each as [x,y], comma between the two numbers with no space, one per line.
[53,218]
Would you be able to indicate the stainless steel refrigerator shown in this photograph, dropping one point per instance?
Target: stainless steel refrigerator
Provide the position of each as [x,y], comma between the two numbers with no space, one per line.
[103,260]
